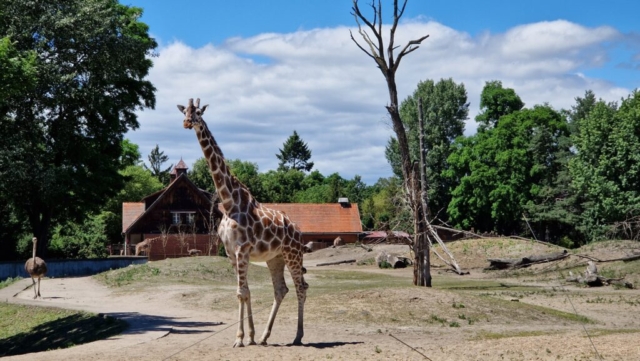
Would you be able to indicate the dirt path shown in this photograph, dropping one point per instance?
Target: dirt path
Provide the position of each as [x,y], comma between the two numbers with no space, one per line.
[163,328]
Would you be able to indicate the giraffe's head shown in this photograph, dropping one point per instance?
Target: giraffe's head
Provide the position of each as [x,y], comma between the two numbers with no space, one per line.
[192,113]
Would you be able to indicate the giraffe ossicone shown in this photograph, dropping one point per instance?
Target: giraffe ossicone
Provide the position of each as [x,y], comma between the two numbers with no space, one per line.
[251,232]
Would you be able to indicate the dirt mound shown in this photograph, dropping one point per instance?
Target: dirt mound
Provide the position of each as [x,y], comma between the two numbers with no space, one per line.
[351,251]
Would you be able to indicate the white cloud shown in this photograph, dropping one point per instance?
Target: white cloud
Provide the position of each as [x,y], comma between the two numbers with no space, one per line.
[320,84]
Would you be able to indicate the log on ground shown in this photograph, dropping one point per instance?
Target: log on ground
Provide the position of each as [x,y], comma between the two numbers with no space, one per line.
[506,263]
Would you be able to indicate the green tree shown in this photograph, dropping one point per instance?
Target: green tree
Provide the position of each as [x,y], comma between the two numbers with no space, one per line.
[88,239]
[295,154]
[445,109]
[280,186]
[62,141]
[139,183]
[606,169]
[384,208]
[200,176]
[17,77]
[18,74]
[247,173]
[502,169]
[130,154]
[580,111]
[496,102]
[156,159]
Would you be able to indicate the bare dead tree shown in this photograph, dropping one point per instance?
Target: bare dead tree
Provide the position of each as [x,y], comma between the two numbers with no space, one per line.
[211,224]
[182,236]
[164,237]
[388,64]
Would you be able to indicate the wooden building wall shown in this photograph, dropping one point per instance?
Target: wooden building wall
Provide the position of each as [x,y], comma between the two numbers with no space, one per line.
[172,249]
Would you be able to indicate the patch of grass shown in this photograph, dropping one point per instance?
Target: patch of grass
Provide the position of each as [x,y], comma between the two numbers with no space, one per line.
[9,281]
[487,335]
[26,329]
[605,332]
[204,271]
[435,318]
[366,262]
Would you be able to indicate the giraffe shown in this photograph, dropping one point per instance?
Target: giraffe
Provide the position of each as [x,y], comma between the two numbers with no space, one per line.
[251,231]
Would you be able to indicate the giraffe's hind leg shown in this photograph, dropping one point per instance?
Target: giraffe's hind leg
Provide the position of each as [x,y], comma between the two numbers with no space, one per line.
[276,267]
[294,263]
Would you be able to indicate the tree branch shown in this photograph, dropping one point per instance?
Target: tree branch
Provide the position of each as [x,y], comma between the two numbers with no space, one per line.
[406,50]
[376,51]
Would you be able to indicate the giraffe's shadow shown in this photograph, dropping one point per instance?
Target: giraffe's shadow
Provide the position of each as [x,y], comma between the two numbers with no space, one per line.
[318,345]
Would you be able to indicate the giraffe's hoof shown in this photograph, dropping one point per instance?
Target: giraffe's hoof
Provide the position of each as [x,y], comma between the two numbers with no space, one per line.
[297,342]
[263,343]
[252,343]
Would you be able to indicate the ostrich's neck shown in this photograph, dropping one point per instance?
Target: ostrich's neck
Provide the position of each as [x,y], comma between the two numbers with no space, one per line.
[34,250]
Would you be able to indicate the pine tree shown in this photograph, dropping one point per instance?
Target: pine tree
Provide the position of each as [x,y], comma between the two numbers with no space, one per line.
[295,154]
[156,159]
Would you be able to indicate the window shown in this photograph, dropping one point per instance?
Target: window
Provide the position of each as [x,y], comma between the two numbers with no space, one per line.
[183,217]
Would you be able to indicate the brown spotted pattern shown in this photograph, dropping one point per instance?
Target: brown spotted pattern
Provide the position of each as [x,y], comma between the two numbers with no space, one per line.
[251,232]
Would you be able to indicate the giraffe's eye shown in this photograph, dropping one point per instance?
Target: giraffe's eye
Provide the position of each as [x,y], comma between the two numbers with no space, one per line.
[198,112]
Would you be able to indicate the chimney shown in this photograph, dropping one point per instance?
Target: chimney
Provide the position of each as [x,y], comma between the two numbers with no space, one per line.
[344,202]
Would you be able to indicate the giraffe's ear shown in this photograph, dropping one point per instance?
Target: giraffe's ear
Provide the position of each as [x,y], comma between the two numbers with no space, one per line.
[204,107]
[181,108]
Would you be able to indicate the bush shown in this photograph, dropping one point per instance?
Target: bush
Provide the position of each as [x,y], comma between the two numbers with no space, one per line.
[221,250]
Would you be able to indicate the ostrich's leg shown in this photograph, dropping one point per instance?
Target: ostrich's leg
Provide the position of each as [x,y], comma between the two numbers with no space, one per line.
[35,293]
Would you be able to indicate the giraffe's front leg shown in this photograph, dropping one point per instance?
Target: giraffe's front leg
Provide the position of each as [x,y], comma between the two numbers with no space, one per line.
[244,298]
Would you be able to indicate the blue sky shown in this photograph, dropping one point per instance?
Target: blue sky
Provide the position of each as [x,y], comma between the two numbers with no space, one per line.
[270,67]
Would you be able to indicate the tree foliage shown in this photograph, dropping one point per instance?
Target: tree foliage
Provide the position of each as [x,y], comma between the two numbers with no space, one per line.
[445,109]
[502,169]
[130,154]
[62,136]
[295,154]
[606,169]
[156,160]
[496,102]
[200,176]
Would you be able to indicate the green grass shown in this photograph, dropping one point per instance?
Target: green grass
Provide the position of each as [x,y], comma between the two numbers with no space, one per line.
[199,271]
[26,329]
[9,281]
[487,335]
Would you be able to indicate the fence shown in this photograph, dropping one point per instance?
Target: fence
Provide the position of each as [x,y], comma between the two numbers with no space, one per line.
[71,267]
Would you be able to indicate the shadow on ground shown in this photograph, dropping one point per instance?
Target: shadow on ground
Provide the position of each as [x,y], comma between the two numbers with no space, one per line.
[82,328]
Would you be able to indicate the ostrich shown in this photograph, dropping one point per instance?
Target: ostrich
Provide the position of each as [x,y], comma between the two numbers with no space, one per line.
[35,267]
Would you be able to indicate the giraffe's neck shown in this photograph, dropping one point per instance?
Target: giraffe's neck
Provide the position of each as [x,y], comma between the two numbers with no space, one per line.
[231,192]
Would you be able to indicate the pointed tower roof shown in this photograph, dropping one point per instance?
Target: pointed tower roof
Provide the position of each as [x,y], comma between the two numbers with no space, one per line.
[180,166]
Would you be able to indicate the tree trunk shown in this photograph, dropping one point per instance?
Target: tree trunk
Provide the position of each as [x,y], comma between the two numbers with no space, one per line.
[504,263]
[40,223]
[388,66]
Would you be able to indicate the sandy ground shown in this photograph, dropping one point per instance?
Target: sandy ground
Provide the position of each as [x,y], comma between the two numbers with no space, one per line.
[163,328]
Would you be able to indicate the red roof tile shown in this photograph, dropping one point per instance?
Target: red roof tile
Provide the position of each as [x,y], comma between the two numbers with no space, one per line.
[130,212]
[321,217]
